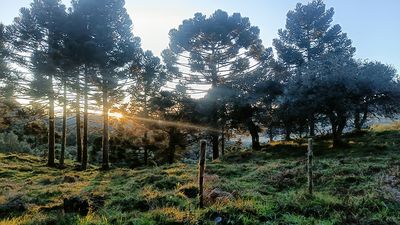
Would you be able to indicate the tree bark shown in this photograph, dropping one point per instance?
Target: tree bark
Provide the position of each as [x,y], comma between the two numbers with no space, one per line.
[223,140]
[214,116]
[255,139]
[173,141]
[64,125]
[357,121]
[214,141]
[106,141]
[51,141]
[338,124]
[202,161]
[146,144]
[310,166]
[78,121]
[287,133]
[171,158]
[312,126]
[85,123]
[146,152]
[364,118]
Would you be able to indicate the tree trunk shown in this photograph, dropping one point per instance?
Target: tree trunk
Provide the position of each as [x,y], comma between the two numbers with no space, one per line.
[357,121]
[334,124]
[364,118]
[202,161]
[78,121]
[106,141]
[255,139]
[64,125]
[336,139]
[214,141]
[338,124]
[215,133]
[51,153]
[172,144]
[312,126]
[171,158]
[287,133]
[223,140]
[85,123]
[214,116]
[146,152]
[310,166]
[146,144]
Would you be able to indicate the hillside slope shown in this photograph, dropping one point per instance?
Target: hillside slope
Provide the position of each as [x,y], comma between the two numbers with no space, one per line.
[359,184]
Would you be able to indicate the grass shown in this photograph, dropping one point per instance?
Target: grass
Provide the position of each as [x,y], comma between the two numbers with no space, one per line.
[359,184]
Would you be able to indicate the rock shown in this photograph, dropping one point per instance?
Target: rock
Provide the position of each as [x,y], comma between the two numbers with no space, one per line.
[218,195]
[210,178]
[13,206]
[76,205]
[70,179]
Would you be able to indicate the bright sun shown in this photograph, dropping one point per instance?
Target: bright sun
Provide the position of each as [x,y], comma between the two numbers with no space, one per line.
[116,115]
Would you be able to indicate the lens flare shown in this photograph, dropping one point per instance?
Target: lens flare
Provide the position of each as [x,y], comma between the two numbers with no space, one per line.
[116,115]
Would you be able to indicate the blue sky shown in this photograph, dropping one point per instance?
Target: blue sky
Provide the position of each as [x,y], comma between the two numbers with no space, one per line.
[373,25]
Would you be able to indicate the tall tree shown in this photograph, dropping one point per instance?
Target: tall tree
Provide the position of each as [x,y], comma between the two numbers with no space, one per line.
[210,51]
[308,37]
[80,50]
[112,46]
[39,32]
[149,76]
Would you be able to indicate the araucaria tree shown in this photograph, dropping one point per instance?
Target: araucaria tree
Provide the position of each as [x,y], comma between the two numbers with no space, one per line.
[37,35]
[210,51]
[112,47]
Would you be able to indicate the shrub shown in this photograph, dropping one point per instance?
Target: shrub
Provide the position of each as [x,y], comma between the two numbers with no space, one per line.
[9,143]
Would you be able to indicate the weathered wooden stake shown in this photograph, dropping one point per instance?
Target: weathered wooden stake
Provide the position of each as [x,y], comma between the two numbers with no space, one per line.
[202,161]
[309,166]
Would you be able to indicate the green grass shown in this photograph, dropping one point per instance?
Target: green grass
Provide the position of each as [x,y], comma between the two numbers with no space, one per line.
[359,184]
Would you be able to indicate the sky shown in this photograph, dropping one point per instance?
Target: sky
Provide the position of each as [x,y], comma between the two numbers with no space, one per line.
[373,25]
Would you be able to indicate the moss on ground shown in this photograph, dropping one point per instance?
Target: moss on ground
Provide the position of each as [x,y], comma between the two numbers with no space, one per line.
[359,184]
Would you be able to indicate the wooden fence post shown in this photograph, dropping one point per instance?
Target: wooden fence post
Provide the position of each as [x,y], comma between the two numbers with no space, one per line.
[310,166]
[202,161]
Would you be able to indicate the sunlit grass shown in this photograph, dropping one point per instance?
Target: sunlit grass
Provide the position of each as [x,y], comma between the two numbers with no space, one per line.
[269,188]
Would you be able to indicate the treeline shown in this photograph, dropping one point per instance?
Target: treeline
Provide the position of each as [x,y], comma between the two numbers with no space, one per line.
[86,59]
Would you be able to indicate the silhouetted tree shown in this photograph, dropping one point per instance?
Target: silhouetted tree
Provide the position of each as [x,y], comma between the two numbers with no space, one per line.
[210,51]
[308,37]
[38,34]
[112,46]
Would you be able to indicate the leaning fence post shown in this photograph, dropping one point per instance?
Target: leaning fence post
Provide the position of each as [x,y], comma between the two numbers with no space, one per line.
[310,165]
[202,161]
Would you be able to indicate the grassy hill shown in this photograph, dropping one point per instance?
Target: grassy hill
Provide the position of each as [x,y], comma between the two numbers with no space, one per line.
[358,184]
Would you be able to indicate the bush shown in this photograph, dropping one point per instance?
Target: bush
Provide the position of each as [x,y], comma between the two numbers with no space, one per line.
[9,143]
